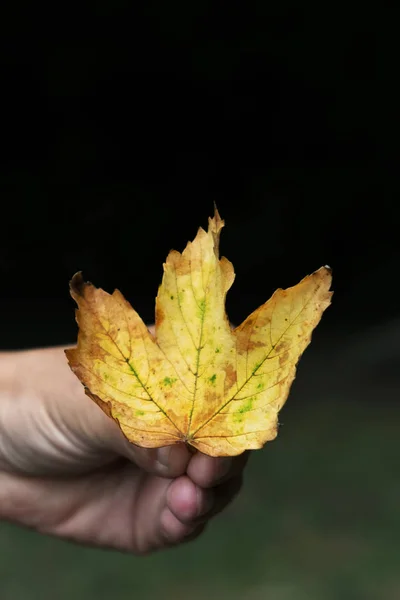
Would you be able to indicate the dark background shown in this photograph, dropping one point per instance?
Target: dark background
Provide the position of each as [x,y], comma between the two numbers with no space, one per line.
[121,124]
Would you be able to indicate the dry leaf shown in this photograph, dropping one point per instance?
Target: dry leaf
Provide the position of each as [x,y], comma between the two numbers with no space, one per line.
[197,380]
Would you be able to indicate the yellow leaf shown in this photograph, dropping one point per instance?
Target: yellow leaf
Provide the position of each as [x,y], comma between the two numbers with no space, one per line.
[196,380]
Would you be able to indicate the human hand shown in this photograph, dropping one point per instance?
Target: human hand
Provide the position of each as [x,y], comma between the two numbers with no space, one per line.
[67,470]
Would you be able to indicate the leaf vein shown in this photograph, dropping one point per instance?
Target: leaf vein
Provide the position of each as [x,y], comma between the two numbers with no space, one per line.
[259,365]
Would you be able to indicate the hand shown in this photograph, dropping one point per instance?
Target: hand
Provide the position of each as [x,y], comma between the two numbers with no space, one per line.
[67,470]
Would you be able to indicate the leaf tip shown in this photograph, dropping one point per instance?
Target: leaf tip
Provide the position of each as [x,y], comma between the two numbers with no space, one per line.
[77,285]
[215,223]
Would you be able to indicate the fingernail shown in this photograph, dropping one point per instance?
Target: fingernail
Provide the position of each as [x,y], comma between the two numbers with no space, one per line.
[163,455]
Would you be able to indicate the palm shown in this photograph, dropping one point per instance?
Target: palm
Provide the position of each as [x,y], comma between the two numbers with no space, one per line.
[92,486]
[120,507]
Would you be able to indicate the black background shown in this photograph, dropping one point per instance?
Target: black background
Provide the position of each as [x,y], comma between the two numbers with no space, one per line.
[121,125]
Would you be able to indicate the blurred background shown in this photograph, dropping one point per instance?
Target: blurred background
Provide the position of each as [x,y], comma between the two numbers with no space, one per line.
[121,125]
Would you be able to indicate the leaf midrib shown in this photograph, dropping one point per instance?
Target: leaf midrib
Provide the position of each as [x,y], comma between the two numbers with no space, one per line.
[196,374]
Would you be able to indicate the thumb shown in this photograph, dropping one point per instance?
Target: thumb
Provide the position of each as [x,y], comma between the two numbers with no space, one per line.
[103,431]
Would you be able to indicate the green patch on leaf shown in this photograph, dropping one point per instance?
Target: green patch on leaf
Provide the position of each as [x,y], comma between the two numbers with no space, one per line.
[168,381]
[246,407]
[202,308]
[237,417]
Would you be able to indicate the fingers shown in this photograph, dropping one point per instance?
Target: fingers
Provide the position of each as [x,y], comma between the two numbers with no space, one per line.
[189,507]
[174,531]
[191,500]
[184,502]
[174,511]
[174,461]
[209,486]
[170,461]
[188,501]
[206,471]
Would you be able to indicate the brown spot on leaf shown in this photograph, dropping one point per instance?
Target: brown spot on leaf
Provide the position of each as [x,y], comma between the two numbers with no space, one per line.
[283,345]
[241,341]
[209,397]
[183,267]
[179,262]
[160,315]
[230,377]
[283,358]
[253,344]
[263,320]
[208,409]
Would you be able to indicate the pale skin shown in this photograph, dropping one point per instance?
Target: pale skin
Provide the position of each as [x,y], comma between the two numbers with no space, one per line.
[67,470]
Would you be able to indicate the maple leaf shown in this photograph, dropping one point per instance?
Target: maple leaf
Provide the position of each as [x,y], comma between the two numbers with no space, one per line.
[196,380]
